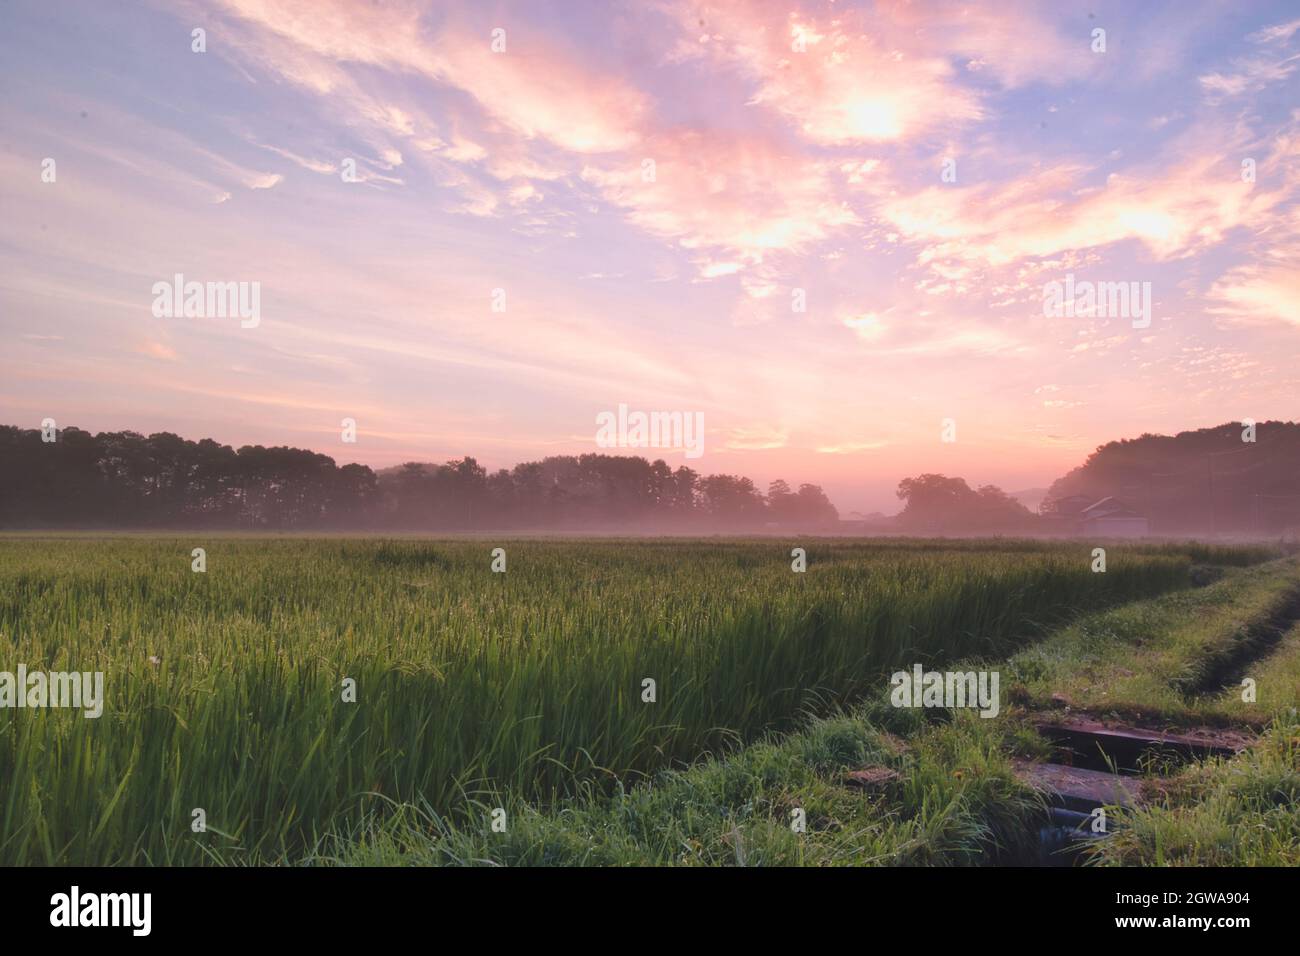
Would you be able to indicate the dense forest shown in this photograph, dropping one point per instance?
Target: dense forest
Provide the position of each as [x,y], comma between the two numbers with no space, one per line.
[1209,480]
[129,480]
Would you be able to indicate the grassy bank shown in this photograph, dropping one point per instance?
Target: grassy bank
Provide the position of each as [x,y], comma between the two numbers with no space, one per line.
[1180,659]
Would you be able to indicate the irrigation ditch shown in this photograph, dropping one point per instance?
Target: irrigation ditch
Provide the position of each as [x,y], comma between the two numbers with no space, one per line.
[1097,765]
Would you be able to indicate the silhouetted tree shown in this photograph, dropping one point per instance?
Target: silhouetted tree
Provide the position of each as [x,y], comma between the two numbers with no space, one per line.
[124,479]
[943,504]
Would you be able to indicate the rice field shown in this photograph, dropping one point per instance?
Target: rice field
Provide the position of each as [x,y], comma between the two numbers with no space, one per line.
[230,691]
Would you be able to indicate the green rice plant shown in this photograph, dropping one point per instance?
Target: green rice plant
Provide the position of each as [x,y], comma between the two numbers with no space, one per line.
[224,689]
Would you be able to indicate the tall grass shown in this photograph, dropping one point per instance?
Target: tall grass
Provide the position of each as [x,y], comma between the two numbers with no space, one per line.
[529,681]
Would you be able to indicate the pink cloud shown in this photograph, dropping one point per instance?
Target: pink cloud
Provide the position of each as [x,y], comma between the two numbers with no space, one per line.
[890,74]
[534,87]
[834,81]
[741,196]
[1173,213]
[1260,293]
[1010,41]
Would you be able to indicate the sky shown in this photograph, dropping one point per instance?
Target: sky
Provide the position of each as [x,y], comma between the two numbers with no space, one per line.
[828,228]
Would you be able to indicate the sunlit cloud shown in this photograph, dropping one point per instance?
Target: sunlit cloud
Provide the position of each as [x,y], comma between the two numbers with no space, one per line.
[1261,293]
[848,448]
[757,438]
[734,195]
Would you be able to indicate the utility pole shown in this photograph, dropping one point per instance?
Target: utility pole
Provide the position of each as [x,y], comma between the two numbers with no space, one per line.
[1151,504]
[1209,471]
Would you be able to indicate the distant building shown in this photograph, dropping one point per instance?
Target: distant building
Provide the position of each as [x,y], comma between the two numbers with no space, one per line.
[1080,514]
[1112,518]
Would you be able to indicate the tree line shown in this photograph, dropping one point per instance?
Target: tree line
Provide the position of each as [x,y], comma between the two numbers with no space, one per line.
[1238,477]
[126,479]
[1222,479]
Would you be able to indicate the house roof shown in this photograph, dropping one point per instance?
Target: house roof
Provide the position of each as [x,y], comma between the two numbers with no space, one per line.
[1077,506]
[1109,500]
[1110,507]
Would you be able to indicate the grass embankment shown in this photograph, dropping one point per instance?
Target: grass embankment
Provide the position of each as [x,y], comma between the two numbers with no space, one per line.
[1178,659]
[224,688]
[955,800]
[950,796]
